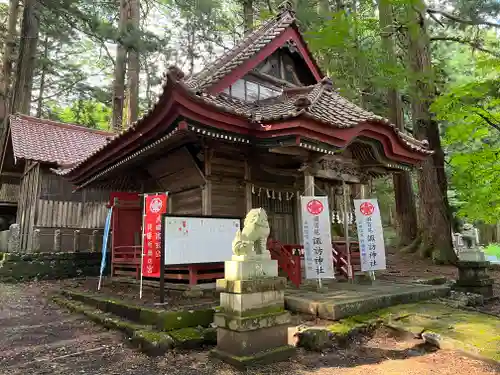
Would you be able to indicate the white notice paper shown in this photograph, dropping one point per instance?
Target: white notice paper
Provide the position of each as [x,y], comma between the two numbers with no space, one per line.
[370,235]
[318,254]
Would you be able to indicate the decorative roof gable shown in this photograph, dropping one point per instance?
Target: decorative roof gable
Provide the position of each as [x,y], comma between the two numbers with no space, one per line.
[251,51]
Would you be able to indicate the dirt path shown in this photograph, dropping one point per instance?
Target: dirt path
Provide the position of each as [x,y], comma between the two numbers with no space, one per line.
[37,338]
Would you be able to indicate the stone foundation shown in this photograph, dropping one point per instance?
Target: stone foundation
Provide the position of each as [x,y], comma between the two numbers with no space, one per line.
[48,266]
[252,325]
[473,278]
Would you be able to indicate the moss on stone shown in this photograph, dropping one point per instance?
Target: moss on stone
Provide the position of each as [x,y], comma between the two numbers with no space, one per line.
[471,332]
[274,309]
[163,320]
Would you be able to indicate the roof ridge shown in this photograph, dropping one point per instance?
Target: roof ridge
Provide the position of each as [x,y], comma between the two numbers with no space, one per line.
[62,124]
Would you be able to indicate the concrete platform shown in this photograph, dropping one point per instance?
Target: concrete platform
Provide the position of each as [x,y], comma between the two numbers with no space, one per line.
[339,300]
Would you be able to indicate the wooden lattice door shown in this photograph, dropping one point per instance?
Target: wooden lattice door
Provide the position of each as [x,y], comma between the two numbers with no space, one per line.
[280,212]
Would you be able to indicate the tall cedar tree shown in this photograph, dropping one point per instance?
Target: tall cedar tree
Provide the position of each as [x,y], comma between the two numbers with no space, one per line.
[436,235]
[406,212]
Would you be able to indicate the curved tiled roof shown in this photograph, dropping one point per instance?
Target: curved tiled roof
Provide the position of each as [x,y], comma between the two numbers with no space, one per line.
[50,141]
[318,102]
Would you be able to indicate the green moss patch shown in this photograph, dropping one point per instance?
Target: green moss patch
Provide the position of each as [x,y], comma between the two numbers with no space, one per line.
[20,267]
[144,337]
[472,332]
[161,319]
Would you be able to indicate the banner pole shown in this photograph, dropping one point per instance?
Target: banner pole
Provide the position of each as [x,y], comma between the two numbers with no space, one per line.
[104,249]
[142,243]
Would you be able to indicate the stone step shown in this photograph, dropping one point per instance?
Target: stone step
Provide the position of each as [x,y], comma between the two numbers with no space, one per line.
[162,319]
[147,338]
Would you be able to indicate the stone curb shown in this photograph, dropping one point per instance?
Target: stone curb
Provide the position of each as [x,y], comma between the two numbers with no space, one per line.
[144,338]
[162,320]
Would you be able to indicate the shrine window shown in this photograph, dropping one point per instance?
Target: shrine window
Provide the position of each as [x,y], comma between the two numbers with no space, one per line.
[251,91]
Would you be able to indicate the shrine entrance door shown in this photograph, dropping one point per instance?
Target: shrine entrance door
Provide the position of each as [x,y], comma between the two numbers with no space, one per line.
[280,209]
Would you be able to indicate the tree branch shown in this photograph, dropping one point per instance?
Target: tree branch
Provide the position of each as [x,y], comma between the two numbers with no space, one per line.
[494,125]
[474,44]
[452,17]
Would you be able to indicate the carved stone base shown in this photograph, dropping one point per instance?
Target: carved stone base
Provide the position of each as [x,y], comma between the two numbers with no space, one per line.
[252,322]
[242,267]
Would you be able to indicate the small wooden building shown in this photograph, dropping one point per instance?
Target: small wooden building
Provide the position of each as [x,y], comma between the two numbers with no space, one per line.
[259,127]
[42,200]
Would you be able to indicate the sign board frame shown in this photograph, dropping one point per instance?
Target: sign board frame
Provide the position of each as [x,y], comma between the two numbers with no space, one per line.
[164,217]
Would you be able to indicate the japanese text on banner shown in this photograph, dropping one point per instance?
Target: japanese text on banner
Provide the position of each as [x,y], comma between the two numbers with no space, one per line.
[370,235]
[154,207]
[318,254]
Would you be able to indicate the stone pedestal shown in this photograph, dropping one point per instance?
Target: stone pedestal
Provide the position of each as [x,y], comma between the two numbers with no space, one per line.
[473,278]
[252,325]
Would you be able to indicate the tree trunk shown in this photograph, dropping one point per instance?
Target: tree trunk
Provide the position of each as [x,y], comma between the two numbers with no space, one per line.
[406,212]
[248,16]
[8,57]
[133,63]
[21,98]
[41,89]
[436,232]
[119,79]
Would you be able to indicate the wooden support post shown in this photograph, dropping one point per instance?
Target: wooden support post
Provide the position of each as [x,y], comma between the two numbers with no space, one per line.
[363,191]
[308,184]
[193,274]
[248,187]
[93,241]
[206,198]
[345,195]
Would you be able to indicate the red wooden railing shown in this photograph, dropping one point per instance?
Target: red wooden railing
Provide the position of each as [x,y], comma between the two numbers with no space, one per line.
[288,262]
[290,258]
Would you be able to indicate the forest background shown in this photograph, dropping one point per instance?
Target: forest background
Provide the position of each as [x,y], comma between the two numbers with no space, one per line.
[431,67]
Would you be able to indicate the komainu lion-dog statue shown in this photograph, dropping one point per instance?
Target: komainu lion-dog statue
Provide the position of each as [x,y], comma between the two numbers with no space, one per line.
[252,239]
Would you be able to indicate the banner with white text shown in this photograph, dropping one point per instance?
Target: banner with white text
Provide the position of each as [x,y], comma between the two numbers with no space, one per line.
[316,229]
[370,235]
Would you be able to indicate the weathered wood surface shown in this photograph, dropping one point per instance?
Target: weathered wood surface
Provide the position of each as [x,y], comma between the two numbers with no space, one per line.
[186,203]
[28,197]
[9,192]
[176,172]
[59,206]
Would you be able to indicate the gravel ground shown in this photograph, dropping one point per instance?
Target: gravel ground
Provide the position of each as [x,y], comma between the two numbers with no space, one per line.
[38,338]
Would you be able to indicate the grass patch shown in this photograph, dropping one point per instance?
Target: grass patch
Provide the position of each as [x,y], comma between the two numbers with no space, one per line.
[493,249]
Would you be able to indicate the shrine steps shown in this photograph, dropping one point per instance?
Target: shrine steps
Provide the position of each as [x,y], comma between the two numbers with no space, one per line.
[152,331]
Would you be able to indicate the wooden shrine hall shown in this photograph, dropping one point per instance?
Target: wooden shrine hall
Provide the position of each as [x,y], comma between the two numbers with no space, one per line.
[259,127]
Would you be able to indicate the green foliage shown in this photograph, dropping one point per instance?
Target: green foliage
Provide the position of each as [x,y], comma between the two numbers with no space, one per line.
[89,113]
[493,249]
[470,111]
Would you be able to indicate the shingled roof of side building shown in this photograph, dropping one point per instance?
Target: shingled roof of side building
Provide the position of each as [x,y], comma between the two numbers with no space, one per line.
[53,142]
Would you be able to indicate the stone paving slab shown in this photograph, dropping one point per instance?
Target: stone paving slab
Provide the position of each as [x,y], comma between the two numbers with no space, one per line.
[337,300]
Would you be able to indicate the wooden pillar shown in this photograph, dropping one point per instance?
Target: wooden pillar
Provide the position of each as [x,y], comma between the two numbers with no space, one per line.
[206,198]
[248,187]
[308,184]
[363,191]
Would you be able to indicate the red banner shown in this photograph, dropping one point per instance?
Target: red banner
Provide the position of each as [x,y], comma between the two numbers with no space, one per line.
[154,206]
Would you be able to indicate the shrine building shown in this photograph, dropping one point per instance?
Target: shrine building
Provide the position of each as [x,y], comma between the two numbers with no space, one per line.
[259,127]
